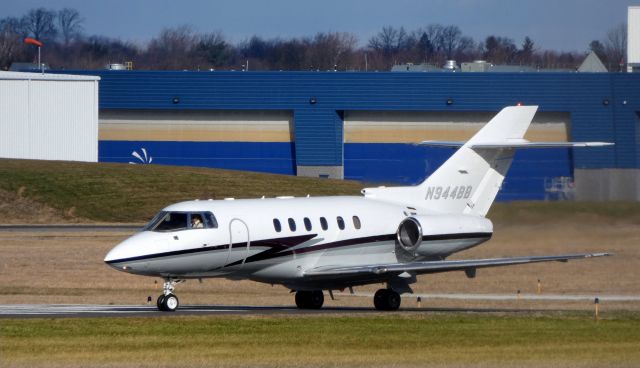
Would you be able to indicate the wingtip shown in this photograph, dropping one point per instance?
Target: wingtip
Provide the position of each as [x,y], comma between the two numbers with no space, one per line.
[603,254]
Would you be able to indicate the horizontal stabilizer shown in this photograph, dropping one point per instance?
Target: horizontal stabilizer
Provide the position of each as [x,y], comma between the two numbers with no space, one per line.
[512,143]
[441,266]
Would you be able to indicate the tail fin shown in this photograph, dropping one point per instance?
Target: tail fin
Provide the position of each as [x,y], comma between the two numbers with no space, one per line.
[468,182]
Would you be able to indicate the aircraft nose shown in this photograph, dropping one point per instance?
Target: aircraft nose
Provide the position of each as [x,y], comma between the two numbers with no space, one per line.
[128,251]
[121,252]
[115,254]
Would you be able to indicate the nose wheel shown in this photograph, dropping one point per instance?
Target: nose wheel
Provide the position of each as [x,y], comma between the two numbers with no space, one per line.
[168,301]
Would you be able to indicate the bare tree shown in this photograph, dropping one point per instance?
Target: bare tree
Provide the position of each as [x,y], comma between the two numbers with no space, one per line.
[327,51]
[212,49]
[389,40]
[525,54]
[615,45]
[40,24]
[11,33]
[70,24]
[499,50]
[172,49]
[452,41]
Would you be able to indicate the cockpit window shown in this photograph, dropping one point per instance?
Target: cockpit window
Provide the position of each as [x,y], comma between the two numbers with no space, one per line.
[176,221]
[171,221]
[210,221]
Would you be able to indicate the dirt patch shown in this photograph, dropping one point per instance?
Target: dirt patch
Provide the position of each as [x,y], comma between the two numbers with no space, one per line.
[16,208]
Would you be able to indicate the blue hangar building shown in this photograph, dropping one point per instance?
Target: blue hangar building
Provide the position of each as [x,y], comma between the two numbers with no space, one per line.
[365,126]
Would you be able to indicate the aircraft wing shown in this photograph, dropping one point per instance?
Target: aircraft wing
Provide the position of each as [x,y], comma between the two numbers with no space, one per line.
[441,266]
[514,143]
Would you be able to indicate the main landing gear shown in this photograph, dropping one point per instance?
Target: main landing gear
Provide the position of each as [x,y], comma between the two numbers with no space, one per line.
[383,300]
[168,302]
[386,300]
[309,299]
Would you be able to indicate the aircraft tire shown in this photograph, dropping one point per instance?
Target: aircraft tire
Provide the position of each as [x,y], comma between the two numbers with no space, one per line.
[302,299]
[379,299]
[160,303]
[386,300]
[393,300]
[309,299]
[316,299]
[170,303]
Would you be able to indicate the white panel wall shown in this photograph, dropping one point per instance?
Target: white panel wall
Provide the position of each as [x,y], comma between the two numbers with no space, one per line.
[48,117]
[14,118]
[633,35]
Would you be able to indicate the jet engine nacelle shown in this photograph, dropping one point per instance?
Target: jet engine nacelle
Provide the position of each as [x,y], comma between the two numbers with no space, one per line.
[431,235]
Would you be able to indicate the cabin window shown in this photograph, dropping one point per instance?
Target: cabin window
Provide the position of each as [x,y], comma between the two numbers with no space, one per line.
[276,225]
[323,223]
[307,224]
[292,224]
[356,222]
[340,223]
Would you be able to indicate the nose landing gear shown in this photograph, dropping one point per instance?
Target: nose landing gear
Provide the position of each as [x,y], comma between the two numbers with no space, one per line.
[168,302]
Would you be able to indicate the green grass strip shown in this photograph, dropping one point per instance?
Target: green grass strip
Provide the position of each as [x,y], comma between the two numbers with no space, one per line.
[567,339]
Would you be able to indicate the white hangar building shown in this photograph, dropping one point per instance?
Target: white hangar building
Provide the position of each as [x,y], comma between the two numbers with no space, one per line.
[48,116]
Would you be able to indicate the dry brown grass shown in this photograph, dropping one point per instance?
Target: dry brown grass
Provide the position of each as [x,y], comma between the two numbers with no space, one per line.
[17,208]
[59,267]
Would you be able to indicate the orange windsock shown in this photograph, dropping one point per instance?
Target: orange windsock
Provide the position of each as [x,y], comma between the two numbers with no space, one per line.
[33,41]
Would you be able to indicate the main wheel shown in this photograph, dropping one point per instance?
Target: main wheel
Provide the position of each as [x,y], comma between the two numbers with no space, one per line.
[309,299]
[393,300]
[160,302]
[316,299]
[301,299]
[386,300]
[170,303]
[379,299]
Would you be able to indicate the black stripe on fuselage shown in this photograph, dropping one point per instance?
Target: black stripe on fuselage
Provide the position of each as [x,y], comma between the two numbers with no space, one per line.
[280,243]
[355,241]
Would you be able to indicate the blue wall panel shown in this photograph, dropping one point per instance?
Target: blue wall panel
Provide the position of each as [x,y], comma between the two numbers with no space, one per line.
[408,164]
[599,103]
[318,135]
[269,157]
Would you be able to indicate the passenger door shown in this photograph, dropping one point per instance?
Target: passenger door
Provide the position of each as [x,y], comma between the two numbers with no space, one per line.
[239,243]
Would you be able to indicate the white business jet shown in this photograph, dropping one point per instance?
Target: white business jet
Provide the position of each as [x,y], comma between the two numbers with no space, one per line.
[387,235]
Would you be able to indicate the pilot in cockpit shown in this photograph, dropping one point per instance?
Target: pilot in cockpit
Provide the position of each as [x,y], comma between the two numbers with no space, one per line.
[196,222]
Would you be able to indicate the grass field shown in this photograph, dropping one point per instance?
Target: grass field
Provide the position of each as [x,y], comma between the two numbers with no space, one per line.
[437,340]
[134,193]
[59,192]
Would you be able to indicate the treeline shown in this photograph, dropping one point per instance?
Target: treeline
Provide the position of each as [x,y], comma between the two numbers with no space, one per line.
[182,48]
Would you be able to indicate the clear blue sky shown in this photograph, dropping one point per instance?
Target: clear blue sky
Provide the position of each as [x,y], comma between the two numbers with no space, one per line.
[554,24]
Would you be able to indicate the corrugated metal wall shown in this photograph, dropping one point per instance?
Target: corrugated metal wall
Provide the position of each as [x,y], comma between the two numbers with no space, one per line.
[229,139]
[594,101]
[48,117]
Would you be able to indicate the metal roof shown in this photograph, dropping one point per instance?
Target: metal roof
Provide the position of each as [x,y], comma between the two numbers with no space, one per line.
[46,76]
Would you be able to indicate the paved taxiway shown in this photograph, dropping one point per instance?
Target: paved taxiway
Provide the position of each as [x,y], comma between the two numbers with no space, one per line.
[71,228]
[87,310]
